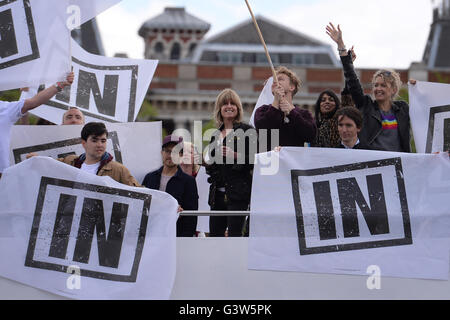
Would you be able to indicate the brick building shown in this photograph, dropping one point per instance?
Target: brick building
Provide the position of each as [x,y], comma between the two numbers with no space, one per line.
[193,70]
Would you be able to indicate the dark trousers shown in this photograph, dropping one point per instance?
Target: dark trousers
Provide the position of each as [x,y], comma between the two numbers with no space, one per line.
[186,226]
[218,225]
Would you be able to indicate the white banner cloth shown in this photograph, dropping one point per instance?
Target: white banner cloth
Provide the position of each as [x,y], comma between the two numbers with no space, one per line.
[430,116]
[104,89]
[34,43]
[56,220]
[342,211]
[135,145]
[266,97]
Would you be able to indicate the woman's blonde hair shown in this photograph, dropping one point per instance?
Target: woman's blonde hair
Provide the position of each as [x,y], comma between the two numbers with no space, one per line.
[389,76]
[226,96]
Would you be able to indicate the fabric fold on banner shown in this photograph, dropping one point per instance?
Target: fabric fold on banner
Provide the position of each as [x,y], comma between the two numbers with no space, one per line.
[430,116]
[341,211]
[105,89]
[82,236]
[34,43]
[265,98]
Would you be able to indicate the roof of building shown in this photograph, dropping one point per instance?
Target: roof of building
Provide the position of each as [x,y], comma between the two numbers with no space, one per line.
[283,41]
[273,33]
[174,18]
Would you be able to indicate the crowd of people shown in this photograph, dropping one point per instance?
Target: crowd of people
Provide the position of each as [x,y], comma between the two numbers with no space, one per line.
[354,121]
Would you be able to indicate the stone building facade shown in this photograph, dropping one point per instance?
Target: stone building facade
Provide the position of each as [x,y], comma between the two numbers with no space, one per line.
[184,89]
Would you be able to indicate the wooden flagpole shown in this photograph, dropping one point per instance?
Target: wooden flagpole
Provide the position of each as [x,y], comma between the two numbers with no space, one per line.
[275,78]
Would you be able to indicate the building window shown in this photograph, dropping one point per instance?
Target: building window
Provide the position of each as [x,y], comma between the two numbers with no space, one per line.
[175,54]
[262,58]
[230,57]
[303,59]
[159,47]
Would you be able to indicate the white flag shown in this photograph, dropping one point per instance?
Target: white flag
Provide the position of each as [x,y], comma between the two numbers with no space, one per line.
[82,236]
[430,116]
[265,98]
[104,89]
[340,211]
[35,38]
[88,9]
[34,42]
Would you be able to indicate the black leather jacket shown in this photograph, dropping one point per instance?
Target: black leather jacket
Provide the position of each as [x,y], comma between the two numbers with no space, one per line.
[372,123]
[236,178]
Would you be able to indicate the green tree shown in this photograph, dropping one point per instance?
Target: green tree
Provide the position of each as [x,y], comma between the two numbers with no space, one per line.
[10,95]
[441,78]
[147,113]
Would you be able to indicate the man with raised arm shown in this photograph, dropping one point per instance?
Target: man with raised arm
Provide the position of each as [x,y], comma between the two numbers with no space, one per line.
[11,112]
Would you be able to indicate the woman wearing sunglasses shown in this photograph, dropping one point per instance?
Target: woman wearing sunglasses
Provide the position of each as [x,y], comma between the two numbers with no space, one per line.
[386,122]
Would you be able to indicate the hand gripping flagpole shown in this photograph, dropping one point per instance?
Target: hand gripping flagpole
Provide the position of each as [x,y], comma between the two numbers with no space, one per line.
[275,78]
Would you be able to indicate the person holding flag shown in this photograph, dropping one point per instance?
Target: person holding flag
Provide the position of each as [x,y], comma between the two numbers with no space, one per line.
[11,112]
[300,126]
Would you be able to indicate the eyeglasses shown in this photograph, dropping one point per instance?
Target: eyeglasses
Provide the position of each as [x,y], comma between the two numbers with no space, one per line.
[386,73]
[169,151]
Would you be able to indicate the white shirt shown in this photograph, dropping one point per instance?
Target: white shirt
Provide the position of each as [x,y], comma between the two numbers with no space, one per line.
[164,182]
[91,168]
[357,142]
[10,112]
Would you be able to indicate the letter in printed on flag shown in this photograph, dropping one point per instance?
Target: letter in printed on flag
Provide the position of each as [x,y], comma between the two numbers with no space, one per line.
[341,211]
[35,38]
[105,89]
[121,239]
[34,42]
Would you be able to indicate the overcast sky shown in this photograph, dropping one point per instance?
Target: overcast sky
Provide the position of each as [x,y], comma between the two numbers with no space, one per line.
[385,33]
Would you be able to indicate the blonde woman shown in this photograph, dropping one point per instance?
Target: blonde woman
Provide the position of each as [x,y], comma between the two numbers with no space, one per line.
[386,121]
[230,165]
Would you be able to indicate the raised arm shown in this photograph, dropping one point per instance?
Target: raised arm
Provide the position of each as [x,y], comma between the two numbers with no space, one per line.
[45,95]
[351,78]
[336,36]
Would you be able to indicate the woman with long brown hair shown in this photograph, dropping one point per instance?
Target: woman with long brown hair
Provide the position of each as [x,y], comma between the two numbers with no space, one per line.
[230,165]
